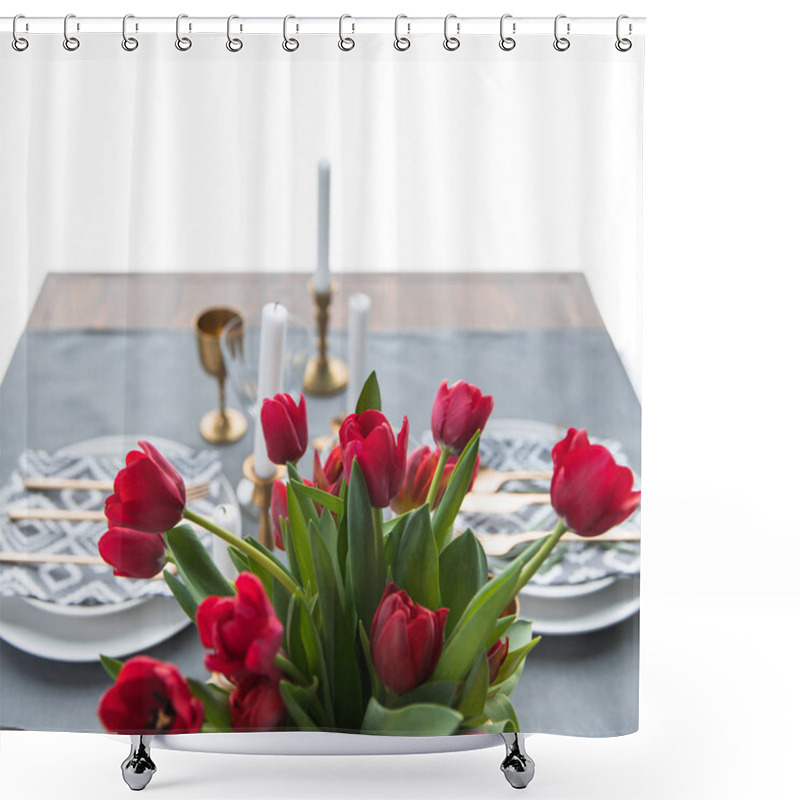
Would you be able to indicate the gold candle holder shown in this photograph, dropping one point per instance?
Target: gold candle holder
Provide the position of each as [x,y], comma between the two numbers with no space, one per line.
[325,374]
[262,495]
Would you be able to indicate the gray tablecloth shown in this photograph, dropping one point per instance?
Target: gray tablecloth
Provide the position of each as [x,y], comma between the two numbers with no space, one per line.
[64,387]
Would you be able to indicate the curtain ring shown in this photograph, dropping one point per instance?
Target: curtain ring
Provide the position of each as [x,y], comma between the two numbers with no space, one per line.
[183,43]
[401,43]
[623,44]
[19,43]
[451,42]
[233,44]
[129,43]
[506,42]
[71,43]
[561,43]
[346,43]
[289,44]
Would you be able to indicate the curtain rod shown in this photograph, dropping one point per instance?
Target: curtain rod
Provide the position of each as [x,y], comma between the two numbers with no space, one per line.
[328,25]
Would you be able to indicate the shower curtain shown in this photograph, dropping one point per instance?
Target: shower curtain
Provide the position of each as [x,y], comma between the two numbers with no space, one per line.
[485,197]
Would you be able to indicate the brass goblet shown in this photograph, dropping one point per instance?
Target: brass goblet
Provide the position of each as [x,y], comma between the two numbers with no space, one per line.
[222,425]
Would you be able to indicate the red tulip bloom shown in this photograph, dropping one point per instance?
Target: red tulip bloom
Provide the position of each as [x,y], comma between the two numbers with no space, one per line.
[243,631]
[329,478]
[285,428]
[589,490]
[497,655]
[279,509]
[420,469]
[256,705]
[133,554]
[457,413]
[150,697]
[406,640]
[149,494]
[369,438]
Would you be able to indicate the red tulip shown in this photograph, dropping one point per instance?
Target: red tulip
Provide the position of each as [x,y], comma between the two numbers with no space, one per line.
[256,705]
[150,696]
[279,509]
[369,438]
[285,428]
[406,640]
[243,631]
[149,494]
[589,490]
[497,655]
[329,478]
[457,413]
[133,554]
[420,469]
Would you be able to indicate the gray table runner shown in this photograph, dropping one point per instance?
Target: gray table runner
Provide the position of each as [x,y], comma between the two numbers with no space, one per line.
[61,388]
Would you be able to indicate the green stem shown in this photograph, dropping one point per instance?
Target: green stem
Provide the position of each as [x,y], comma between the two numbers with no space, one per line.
[290,670]
[541,555]
[245,547]
[437,476]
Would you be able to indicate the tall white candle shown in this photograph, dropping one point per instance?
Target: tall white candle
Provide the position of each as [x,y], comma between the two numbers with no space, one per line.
[228,517]
[322,277]
[270,371]
[357,325]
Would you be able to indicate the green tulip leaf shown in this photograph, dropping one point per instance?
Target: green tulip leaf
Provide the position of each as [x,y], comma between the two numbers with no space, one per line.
[457,487]
[111,665]
[200,574]
[416,565]
[271,556]
[476,687]
[370,396]
[184,597]
[498,709]
[239,559]
[514,659]
[367,651]
[479,620]
[299,702]
[420,719]
[391,542]
[215,702]
[462,573]
[366,565]
[442,693]
[499,630]
[330,535]
[298,546]
[325,499]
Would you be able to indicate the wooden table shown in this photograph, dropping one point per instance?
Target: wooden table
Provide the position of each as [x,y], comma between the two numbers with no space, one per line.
[503,300]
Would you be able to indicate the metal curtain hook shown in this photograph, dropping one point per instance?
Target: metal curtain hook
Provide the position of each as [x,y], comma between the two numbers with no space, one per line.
[233,44]
[451,42]
[70,42]
[506,42]
[183,43]
[346,43]
[18,42]
[401,43]
[290,44]
[129,43]
[623,44]
[561,43]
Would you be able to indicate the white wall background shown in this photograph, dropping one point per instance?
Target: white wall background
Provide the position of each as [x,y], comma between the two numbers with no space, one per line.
[720,699]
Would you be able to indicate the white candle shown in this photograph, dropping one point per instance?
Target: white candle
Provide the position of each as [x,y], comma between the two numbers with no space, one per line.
[270,371]
[357,324]
[322,277]
[229,518]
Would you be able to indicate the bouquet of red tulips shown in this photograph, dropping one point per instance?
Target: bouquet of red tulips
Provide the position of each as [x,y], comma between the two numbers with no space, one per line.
[373,625]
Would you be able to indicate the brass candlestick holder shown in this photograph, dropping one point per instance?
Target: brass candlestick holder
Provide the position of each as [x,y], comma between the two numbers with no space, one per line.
[325,374]
[262,495]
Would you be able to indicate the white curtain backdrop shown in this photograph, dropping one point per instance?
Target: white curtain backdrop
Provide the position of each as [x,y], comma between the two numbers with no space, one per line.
[206,160]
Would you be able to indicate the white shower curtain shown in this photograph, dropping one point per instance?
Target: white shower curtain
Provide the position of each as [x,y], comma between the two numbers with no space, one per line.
[204,160]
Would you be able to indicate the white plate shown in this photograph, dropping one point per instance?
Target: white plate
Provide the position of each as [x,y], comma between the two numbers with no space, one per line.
[612,603]
[77,633]
[113,445]
[77,639]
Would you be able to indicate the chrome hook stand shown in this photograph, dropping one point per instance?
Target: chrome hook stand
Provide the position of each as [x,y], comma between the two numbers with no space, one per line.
[517,766]
[138,768]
